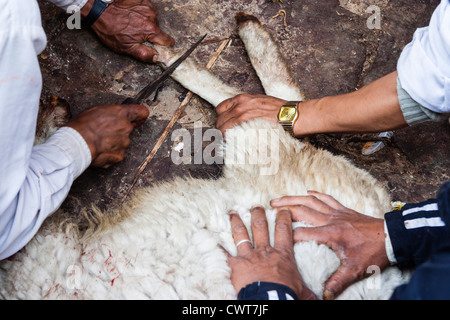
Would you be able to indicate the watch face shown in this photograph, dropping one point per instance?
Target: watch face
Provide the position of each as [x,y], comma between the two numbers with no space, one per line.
[108,1]
[287,113]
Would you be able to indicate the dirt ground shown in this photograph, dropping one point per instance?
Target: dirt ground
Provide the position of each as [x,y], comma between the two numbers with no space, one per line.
[330,50]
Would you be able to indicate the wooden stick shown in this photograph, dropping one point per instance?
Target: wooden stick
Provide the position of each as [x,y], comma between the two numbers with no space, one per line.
[172,122]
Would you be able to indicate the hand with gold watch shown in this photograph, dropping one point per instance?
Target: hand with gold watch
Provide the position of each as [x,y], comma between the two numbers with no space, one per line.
[373,108]
[245,107]
[288,115]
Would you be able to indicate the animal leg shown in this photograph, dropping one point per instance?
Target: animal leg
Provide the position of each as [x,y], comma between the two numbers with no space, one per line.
[267,61]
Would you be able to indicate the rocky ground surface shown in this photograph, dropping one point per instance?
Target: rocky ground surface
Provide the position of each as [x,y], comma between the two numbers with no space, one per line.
[330,49]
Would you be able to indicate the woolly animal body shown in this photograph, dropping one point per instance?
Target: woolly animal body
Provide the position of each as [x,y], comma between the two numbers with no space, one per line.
[164,243]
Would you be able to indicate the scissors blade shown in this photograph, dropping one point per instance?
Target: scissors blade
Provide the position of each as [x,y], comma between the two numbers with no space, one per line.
[144,93]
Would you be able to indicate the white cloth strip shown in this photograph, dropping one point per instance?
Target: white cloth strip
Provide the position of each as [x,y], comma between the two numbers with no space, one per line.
[273,295]
[427,207]
[424,222]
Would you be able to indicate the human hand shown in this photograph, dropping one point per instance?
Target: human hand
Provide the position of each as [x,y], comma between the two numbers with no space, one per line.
[263,262]
[357,239]
[106,130]
[126,24]
[247,107]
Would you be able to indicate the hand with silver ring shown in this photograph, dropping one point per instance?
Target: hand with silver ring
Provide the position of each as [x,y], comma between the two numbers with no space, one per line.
[263,262]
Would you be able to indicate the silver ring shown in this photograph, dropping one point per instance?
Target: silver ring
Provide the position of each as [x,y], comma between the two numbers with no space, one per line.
[243,241]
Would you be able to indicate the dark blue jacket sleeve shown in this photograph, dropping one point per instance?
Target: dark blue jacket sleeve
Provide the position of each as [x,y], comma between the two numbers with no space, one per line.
[420,237]
[266,291]
[417,229]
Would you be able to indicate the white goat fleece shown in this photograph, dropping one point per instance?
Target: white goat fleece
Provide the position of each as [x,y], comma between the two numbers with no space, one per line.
[164,243]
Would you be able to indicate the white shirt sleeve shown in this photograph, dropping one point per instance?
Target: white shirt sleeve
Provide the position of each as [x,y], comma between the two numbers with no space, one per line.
[424,65]
[64,4]
[34,180]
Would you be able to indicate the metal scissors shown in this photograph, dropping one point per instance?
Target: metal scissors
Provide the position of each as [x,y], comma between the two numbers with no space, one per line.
[144,93]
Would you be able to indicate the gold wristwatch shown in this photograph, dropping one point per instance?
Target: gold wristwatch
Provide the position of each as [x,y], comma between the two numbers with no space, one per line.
[288,115]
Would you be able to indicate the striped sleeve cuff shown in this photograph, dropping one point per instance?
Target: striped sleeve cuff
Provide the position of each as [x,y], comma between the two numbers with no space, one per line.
[414,231]
[413,112]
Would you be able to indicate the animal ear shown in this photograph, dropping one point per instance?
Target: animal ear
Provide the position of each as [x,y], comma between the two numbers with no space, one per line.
[267,60]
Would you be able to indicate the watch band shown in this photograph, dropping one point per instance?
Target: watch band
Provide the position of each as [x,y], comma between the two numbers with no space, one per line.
[291,104]
[288,128]
[95,13]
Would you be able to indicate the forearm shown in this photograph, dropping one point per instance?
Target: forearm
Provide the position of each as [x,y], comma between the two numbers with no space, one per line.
[374,108]
[87,8]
